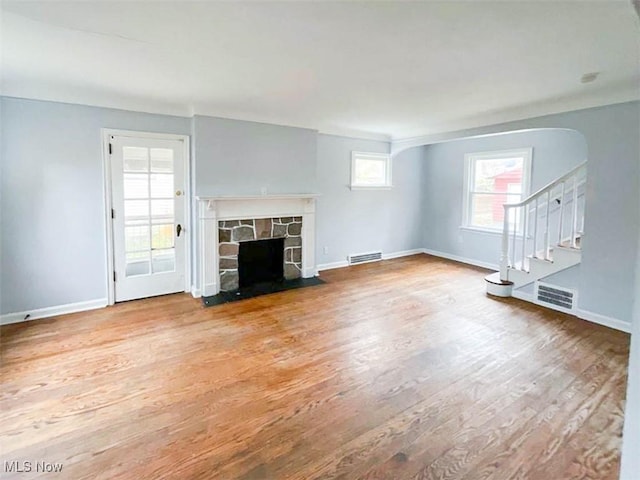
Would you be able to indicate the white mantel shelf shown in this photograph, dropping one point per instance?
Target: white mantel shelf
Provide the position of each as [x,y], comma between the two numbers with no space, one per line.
[212,209]
[259,197]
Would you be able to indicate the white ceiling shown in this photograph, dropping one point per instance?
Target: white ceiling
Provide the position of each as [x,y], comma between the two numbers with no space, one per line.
[372,69]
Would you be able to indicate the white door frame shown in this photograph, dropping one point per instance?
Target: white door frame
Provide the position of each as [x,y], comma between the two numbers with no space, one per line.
[108,201]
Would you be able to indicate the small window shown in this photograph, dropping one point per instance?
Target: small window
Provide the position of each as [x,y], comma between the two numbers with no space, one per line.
[491,180]
[370,170]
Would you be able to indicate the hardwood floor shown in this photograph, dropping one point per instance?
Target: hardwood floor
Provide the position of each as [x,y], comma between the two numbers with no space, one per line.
[396,370]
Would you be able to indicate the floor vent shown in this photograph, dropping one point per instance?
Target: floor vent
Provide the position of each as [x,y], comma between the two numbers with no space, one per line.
[364,258]
[560,297]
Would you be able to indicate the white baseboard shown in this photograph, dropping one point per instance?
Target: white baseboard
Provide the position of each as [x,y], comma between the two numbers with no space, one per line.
[403,253]
[456,258]
[331,266]
[28,315]
[610,322]
[195,292]
[603,320]
[385,256]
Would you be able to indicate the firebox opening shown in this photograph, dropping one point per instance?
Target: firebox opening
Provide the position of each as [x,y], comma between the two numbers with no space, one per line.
[260,261]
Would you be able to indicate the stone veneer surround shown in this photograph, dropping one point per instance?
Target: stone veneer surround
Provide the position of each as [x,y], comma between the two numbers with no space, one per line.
[232,232]
[213,210]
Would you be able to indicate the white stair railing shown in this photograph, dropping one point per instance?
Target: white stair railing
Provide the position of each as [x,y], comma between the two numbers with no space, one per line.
[555,212]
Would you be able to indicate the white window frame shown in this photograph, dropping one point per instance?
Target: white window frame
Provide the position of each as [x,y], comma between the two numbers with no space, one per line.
[470,160]
[385,157]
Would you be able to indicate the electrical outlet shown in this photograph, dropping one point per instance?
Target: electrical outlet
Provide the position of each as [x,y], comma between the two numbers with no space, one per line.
[325,250]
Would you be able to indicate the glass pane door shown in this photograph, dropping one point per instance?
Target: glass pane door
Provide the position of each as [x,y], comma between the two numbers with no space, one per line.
[149,217]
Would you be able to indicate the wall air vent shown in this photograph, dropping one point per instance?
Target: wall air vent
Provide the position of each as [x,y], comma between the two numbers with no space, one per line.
[364,258]
[555,296]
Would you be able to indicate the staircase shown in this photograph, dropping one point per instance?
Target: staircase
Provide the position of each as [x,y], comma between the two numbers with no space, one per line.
[542,234]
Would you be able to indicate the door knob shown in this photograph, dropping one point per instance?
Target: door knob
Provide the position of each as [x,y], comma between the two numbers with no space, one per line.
[178,230]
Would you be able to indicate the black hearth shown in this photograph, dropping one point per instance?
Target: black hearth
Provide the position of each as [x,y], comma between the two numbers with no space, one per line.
[260,261]
[260,272]
[257,267]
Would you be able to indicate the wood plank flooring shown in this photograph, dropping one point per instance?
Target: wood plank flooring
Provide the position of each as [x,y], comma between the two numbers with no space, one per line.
[402,369]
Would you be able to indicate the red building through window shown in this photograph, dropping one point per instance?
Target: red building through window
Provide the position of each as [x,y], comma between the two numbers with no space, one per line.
[509,181]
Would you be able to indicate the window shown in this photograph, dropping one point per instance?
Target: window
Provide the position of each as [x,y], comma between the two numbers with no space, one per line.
[370,170]
[491,180]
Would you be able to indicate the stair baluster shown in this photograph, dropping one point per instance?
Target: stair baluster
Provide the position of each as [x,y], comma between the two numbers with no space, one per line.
[561,213]
[574,229]
[534,254]
[529,209]
[513,242]
[525,224]
[546,228]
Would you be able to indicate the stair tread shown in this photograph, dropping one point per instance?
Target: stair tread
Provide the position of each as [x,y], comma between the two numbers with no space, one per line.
[541,258]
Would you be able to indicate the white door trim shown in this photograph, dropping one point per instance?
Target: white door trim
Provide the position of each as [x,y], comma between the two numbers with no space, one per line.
[108,201]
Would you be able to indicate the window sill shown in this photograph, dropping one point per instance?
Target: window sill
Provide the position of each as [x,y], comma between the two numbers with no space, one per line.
[491,231]
[488,231]
[370,187]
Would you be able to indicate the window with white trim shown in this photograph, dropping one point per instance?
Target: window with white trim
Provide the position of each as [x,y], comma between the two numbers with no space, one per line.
[370,170]
[491,180]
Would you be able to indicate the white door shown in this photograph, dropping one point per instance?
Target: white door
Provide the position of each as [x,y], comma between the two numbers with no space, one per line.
[149,242]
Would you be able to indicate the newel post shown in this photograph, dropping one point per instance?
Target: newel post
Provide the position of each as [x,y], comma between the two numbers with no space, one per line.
[504,254]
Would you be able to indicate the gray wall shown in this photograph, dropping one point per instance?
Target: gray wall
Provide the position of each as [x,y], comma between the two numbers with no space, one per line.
[52,239]
[233,157]
[358,221]
[630,465]
[555,152]
[612,212]
[53,232]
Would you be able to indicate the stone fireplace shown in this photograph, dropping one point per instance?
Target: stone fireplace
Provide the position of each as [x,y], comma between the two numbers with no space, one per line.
[231,233]
[224,223]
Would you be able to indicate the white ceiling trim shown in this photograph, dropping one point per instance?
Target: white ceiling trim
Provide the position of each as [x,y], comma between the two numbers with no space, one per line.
[462,130]
[334,67]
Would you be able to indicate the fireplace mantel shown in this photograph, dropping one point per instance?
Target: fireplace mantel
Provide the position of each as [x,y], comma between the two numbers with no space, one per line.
[259,197]
[212,209]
